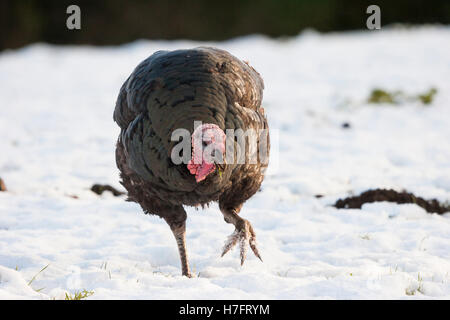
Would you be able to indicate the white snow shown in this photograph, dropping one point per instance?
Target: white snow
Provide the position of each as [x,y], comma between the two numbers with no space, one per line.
[57,138]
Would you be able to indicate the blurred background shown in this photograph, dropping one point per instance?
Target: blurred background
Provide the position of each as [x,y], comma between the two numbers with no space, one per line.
[116,22]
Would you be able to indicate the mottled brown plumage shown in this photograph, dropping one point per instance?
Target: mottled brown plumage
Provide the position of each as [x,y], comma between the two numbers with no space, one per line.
[171,90]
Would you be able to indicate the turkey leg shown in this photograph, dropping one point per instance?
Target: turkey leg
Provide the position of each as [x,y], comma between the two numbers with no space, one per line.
[179,231]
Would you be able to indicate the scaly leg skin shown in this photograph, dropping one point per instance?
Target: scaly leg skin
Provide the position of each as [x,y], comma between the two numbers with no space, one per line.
[243,234]
[179,231]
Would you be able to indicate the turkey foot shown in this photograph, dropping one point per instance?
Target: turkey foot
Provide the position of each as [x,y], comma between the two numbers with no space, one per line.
[243,234]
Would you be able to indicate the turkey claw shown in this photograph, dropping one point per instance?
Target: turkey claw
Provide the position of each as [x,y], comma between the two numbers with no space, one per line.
[243,234]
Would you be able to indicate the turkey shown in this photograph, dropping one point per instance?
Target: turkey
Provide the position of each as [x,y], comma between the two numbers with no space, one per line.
[192,132]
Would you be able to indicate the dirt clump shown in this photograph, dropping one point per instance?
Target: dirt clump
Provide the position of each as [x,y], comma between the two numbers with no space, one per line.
[100,188]
[2,185]
[390,195]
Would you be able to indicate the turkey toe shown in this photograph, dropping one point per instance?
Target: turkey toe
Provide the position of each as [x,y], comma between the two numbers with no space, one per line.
[245,235]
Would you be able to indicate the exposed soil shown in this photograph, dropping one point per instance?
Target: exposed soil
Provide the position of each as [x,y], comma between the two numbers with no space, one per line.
[376,195]
[2,185]
[100,188]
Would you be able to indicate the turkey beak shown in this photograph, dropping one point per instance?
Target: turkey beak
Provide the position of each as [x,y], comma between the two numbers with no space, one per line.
[221,166]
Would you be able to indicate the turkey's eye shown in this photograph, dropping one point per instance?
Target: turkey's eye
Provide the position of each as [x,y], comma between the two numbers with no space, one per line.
[204,144]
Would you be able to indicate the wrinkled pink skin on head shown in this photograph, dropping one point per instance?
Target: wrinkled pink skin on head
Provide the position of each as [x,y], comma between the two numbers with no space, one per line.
[210,134]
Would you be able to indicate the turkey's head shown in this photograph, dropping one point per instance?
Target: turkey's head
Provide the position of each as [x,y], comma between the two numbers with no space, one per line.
[208,148]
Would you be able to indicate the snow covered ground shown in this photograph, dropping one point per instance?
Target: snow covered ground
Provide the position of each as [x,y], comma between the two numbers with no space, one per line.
[57,138]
